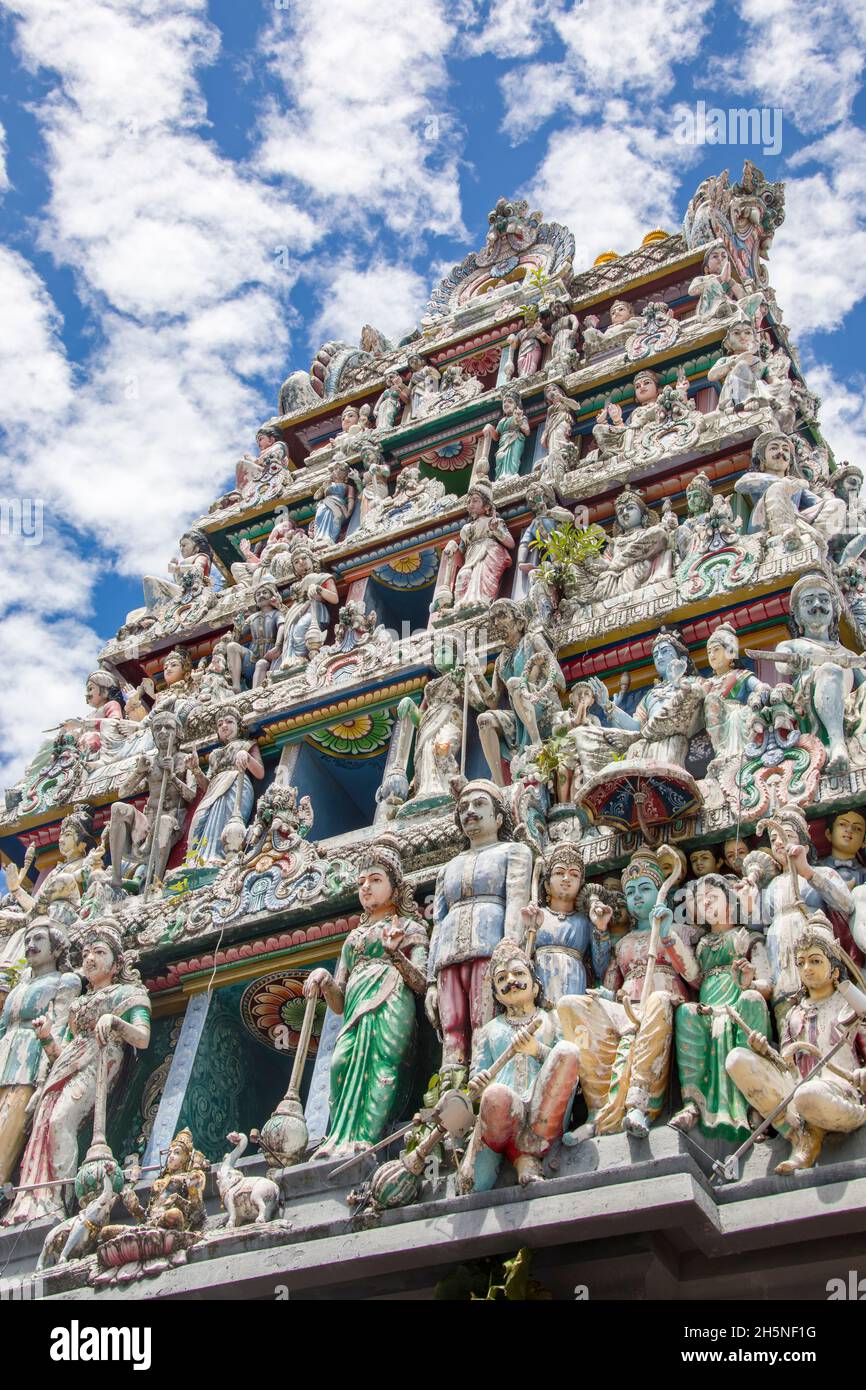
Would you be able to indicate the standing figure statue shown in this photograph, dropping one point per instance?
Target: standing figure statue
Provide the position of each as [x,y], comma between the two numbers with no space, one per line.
[527,672]
[526,347]
[782,904]
[48,993]
[782,502]
[726,693]
[558,422]
[734,971]
[423,386]
[438,738]
[525,1099]
[254,647]
[114,1012]
[148,836]
[472,567]
[562,932]
[548,516]
[564,331]
[228,793]
[479,899]
[826,1008]
[509,434]
[306,617]
[625,1061]
[382,967]
[389,407]
[335,502]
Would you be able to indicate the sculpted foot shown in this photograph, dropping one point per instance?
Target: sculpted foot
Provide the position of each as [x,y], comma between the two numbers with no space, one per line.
[636,1124]
[838,761]
[577,1136]
[807,1147]
[528,1169]
[686,1118]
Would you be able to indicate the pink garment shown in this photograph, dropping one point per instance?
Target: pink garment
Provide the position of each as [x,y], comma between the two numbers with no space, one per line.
[461,1008]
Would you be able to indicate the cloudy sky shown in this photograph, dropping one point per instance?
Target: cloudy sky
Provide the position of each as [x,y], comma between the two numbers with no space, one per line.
[194,196]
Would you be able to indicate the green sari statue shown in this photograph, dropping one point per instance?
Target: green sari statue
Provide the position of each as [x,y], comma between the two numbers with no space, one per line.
[734,971]
[382,967]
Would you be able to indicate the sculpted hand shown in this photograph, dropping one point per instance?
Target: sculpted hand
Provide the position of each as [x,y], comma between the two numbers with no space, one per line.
[744,971]
[600,914]
[531,916]
[526,1043]
[798,856]
[665,919]
[758,1043]
[316,982]
[105,1026]
[478,1084]
[242,760]
[42,1027]
[431,1006]
[600,691]
[392,936]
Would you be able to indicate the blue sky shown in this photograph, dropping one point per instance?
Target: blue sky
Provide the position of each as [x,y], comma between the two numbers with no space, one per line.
[194,196]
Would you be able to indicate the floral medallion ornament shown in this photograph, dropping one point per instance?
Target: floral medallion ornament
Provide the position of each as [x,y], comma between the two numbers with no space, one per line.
[360,735]
[450,458]
[272,1010]
[414,571]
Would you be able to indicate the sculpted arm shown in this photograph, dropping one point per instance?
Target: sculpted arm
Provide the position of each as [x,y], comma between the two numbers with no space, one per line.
[518,885]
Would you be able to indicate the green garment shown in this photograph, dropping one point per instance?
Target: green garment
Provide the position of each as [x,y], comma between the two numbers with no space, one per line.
[372,1063]
[704,1041]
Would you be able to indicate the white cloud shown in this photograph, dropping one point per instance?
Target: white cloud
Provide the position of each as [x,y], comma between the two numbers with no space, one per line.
[35,378]
[510,28]
[818,261]
[4,177]
[805,56]
[367,130]
[388,296]
[841,412]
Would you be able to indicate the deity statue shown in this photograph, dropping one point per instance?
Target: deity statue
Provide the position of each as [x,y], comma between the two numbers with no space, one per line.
[657,331]
[509,433]
[472,566]
[564,332]
[176,1201]
[527,672]
[734,852]
[525,1099]
[254,648]
[562,931]
[48,992]
[437,724]
[114,1012]
[640,549]
[709,524]
[255,476]
[669,714]
[148,836]
[382,966]
[579,745]
[335,502]
[827,1007]
[190,574]
[59,894]
[781,903]
[782,504]
[624,1073]
[559,420]
[623,324]
[547,518]
[390,405]
[735,972]
[525,348]
[727,692]
[423,386]
[847,833]
[306,618]
[720,295]
[829,679]
[180,691]
[227,805]
[479,898]
[749,380]
[273,557]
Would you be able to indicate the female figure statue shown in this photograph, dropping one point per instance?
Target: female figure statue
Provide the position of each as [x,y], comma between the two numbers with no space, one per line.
[559,420]
[190,571]
[528,343]
[721,296]
[60,892]
[548,517]
[382,965]
[228,791]
[389,406]
[623,1074]
[623,323]
[641,549]
[510,433]
[734,970]
[108,734]
[305,623]
[483,546]
[726,692]
[335,503]
[564,330]
[423,386]
[114,1012]
[749,378]
[562,931]
[438,723]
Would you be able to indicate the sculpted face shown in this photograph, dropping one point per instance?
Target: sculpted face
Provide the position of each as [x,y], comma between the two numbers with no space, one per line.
[97,962]
[172,670]
[508,406]
[265,441]
[717,262]
[815,971]
[513,983]
[645,389]
[721,659]
[742,339]
[641,895]
[665,655]
[629,515]
[70,846]
[580,701]
[374,888]
[778,457]
[475,505]
[162,734]
[619,312]
[703,861]
[563,887]
[349,417]
[698,499]
[176,1159]
[847,834]
[37,947]
[815,609]
[187,547]
[477,813]
[227,728]
[93,694]
[735,852]
[713,906]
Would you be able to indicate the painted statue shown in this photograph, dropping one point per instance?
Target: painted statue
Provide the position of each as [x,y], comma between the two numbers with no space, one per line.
[472,567]
[524,1102]
[190,573]
[624,1074]
[423,386]
[564,333]
[113,1013]
[782,503]
[148,837]
[382,967]
[735,972]
[229,795]
[668,716]
[726,693]
[335,502]
[60,893]
[827,1006]
[623,324]
[527,672]
[559,421]
[254,476]
[526,347]
[479,899]
[509,434]
[709,524]
[390,405]
[563,933]
[438,738]
[273,557]
[548,516]
[639,552]
[720,296]
[176,1201]
[749,377]
[306,617]
[253,650]
[47,992]
[847,832]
